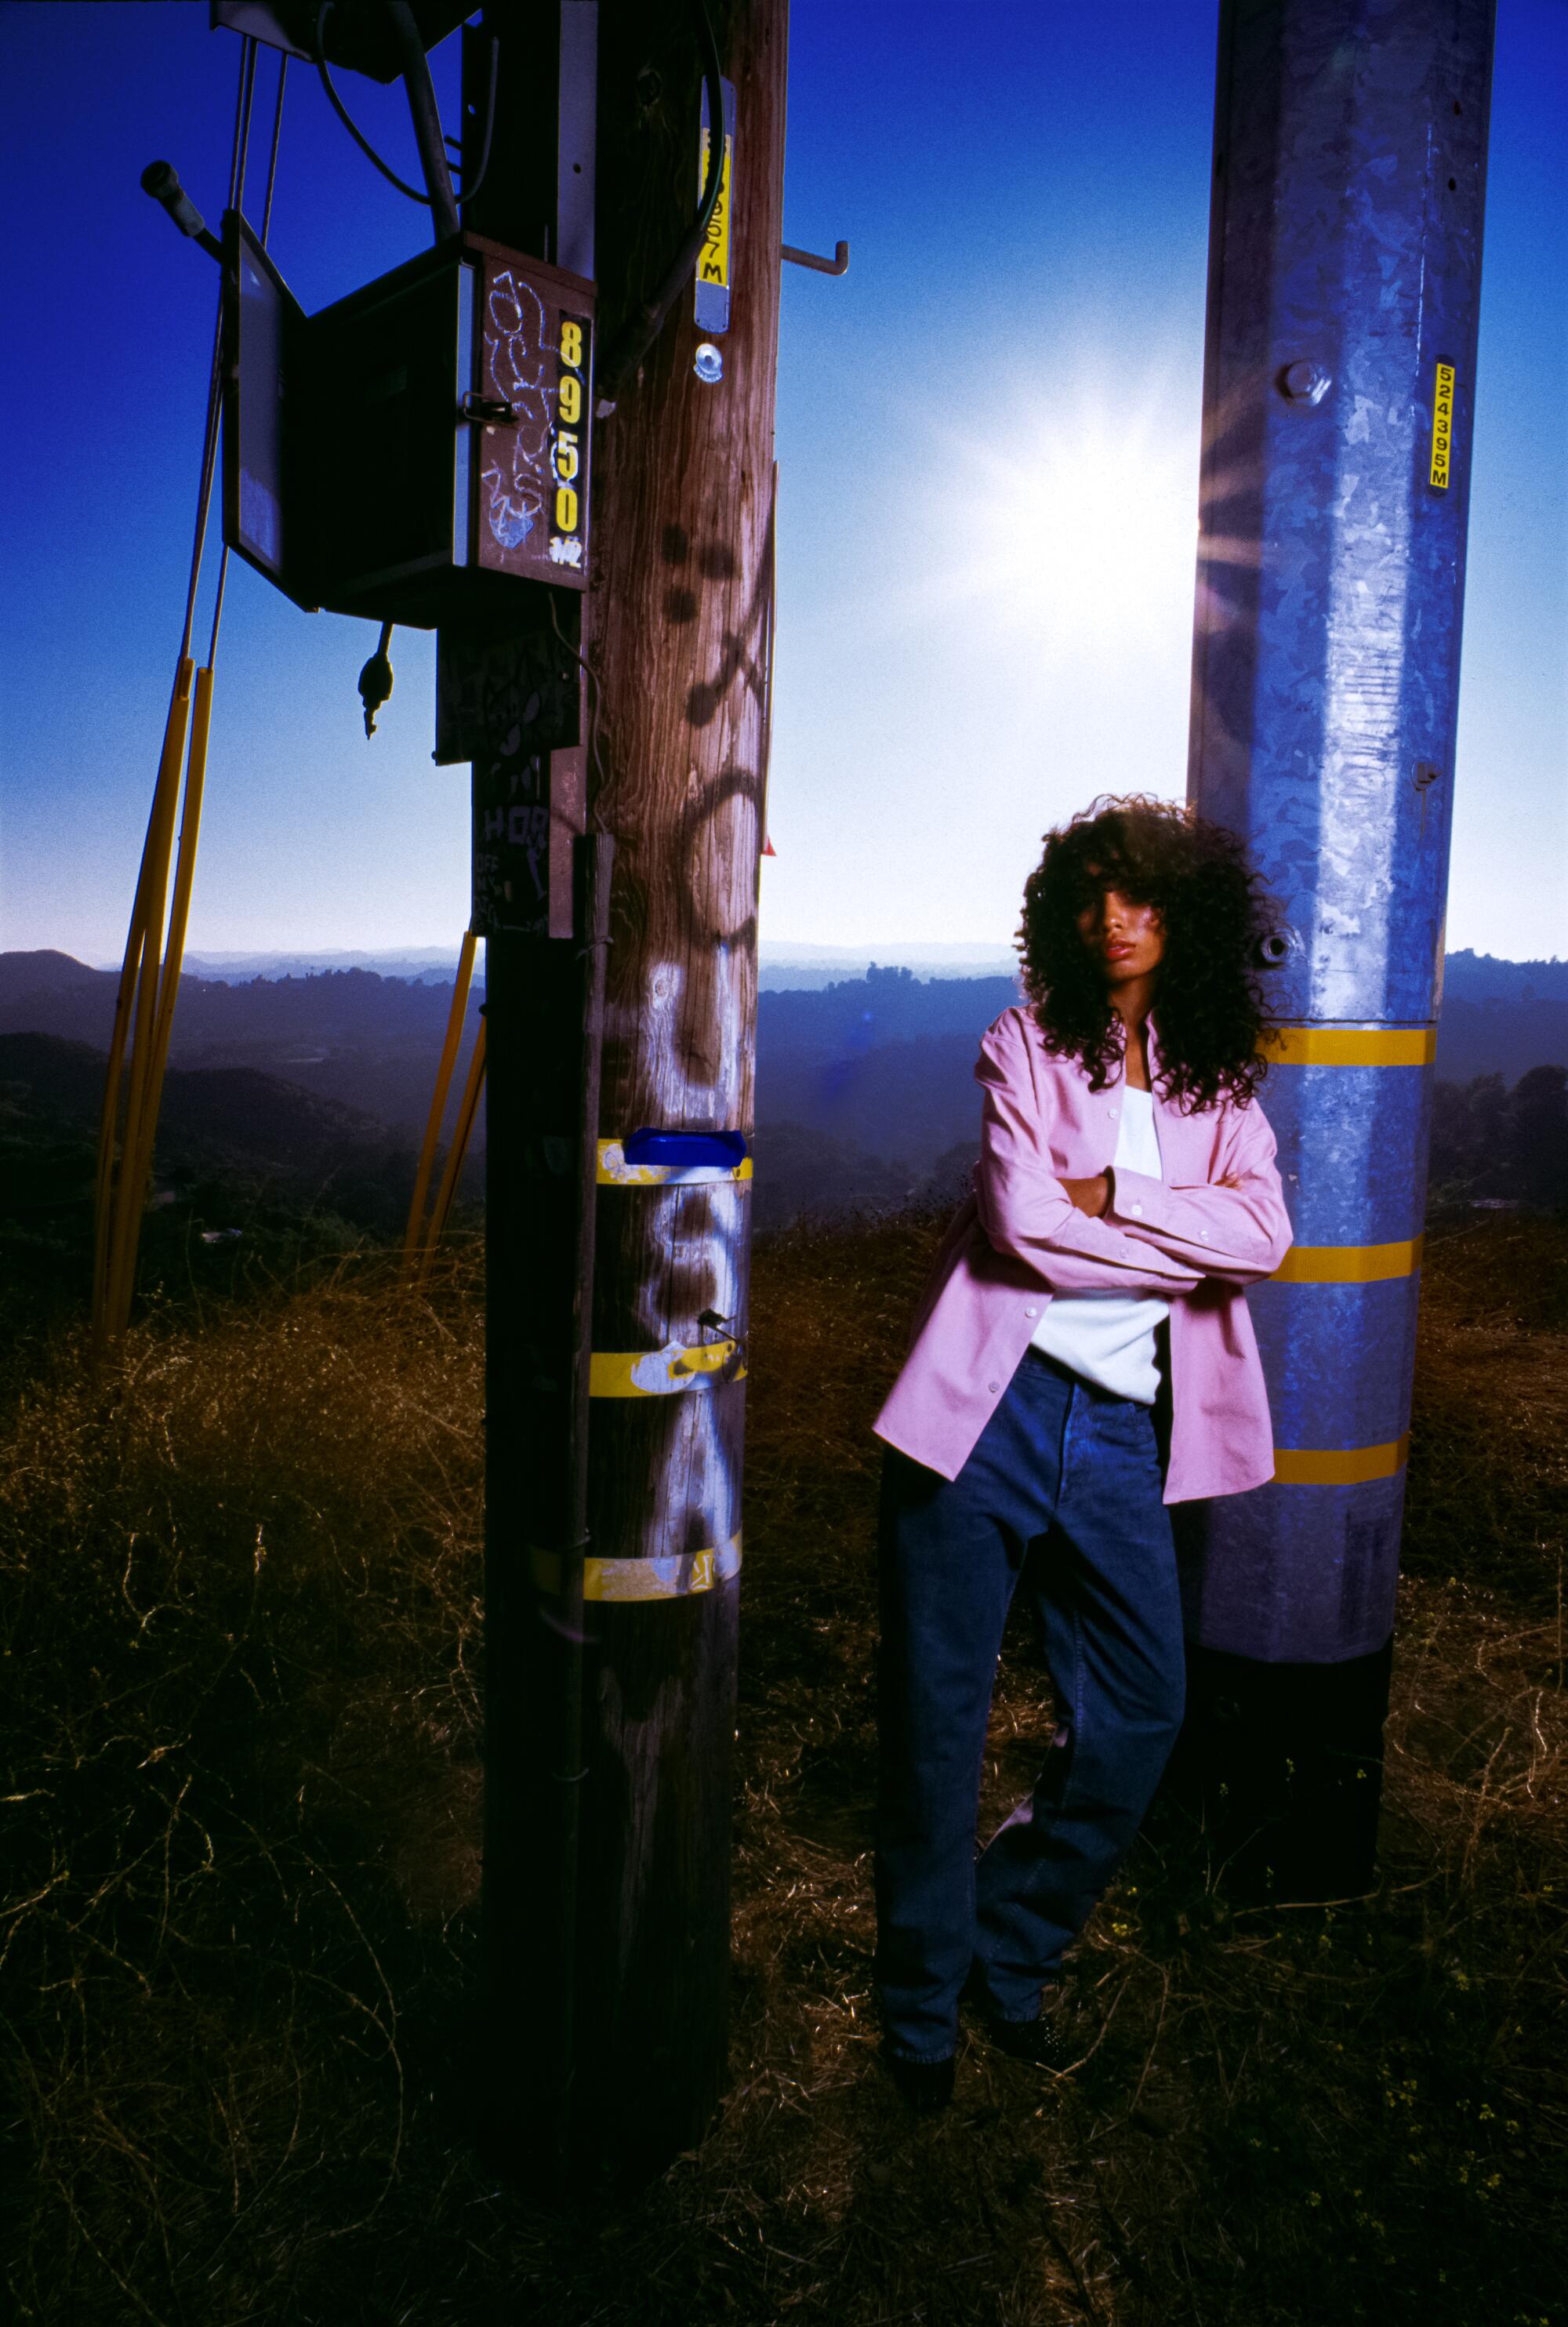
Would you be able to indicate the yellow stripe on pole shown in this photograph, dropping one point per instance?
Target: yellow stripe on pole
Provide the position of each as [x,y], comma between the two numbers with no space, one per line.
[665,1578]
[1338,1466]
[659,1373]
[1350,1046]
[615,1172]
[1348,1264]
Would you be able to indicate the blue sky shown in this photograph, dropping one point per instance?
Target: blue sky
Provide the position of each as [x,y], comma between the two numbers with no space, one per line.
[988,447]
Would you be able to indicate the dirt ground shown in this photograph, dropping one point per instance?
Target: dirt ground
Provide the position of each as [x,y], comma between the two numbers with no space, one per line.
[240,1614]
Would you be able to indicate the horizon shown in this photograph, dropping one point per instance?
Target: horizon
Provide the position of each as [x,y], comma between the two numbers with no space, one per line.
[783,952]
[1056,561]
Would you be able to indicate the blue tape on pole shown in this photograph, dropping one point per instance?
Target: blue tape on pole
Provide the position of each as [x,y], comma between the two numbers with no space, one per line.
[722,1149]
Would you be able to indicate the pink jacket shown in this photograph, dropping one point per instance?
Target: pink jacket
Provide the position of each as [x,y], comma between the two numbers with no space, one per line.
[1019,1239]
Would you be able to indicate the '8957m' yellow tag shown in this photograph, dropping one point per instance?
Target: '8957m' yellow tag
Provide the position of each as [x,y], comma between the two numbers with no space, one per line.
[1442,425]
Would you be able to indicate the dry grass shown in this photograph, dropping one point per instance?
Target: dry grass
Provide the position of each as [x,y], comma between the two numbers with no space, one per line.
[239,1613]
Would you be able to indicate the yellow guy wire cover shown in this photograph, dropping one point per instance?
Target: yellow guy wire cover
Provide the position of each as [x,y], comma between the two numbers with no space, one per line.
[141,1164]
[455,1153]
[153,874]
[449,1051]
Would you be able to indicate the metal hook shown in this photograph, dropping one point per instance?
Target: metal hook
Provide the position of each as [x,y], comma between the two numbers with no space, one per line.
[837,264]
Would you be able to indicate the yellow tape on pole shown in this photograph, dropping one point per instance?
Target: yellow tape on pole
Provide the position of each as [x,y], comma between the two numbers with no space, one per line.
[1348,1264]
[1350,1046]
[450,1045]
[615,1172]
[672,1578]
[661,1373]
[1338,1466]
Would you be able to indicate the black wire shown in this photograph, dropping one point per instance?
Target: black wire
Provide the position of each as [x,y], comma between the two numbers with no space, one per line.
[215,378]
[469,192]
[272,158]
[355,132]
[265,227]
[640,332]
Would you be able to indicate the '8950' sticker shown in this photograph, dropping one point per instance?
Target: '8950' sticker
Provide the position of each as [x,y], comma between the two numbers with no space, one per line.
[568,456]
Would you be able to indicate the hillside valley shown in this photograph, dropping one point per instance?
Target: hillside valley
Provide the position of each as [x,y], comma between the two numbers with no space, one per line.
[865,1090]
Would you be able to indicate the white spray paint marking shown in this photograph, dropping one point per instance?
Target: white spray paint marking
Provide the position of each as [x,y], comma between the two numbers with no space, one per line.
[708,1257]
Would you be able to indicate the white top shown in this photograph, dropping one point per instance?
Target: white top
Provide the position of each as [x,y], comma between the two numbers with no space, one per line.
[1109,1337]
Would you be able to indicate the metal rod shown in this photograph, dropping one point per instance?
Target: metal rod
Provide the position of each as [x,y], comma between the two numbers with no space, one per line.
[837,264]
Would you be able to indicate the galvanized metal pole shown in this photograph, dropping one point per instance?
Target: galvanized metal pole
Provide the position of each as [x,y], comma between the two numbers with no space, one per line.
[1345,272]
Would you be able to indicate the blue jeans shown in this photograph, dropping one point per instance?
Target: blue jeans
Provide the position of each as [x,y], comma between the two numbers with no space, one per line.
[1063,1488]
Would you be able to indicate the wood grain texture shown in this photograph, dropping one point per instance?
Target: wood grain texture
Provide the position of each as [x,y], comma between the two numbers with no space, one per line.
[674,630]
[683,561]
[676,625]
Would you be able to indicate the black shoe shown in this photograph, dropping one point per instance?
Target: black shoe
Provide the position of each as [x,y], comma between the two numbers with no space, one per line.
[924,2084]
[1043,2040]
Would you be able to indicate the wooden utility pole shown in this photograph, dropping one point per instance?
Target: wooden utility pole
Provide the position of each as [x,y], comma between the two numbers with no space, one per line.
[608,2005]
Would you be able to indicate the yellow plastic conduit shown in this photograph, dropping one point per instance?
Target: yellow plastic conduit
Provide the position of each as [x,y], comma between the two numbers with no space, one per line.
[449,1049]
[137,1167]
[139,976]
[454,1154]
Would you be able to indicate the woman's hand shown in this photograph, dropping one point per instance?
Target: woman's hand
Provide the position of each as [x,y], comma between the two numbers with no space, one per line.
[1090,1196]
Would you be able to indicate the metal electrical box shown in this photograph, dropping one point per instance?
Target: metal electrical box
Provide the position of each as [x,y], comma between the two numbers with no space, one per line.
[418,449]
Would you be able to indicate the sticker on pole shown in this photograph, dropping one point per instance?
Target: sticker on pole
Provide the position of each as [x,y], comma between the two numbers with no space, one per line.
[712,313]
[1442,425]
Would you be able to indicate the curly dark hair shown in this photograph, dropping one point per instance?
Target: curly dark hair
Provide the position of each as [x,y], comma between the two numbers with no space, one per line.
[1218,919]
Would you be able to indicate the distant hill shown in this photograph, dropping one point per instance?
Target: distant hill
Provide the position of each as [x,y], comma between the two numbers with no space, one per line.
[784,964]
[870,1077]
[1485,978]
[886,1062]
[348,1036]
[426,965]
[229,1116]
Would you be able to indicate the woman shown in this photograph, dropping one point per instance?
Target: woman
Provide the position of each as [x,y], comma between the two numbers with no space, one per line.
[1089,1290]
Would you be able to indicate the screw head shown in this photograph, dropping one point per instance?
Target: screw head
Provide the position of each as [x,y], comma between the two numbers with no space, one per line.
[707,363]
[1304,381]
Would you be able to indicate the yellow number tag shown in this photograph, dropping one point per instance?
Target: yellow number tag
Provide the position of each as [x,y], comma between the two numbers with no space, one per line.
[1442,425]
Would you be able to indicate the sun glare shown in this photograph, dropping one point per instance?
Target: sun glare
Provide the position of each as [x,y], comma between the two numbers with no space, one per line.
[1083,534]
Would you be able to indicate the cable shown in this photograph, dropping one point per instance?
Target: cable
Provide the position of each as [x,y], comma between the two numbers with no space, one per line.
[215,378]
[265,229]
[152,968]
[353,126]
[426,116]
[363,143]
[592,676]
[468,193]
[641,330]
[272,158]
